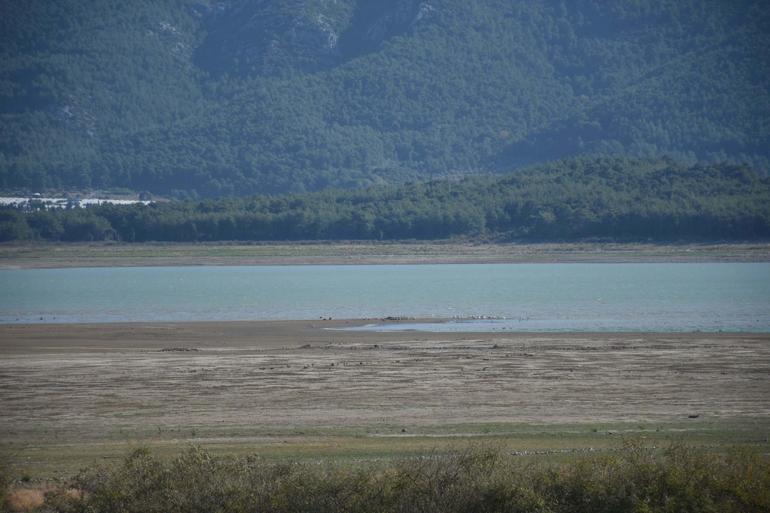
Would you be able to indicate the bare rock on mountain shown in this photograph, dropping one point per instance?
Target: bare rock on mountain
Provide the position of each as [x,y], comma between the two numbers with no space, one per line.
[266,37]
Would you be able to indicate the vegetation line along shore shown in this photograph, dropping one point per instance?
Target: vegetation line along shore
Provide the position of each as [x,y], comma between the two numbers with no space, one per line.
[482,479]
[610,199]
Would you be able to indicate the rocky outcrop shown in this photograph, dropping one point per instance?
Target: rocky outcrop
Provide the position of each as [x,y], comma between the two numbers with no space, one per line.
[247,37]
[271,36]
[375,22]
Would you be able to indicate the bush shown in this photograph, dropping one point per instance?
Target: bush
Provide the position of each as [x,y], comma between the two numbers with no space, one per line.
[5,483]
[634,479]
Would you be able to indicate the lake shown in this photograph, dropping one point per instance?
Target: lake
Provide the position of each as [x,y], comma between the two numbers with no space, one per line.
[521,297]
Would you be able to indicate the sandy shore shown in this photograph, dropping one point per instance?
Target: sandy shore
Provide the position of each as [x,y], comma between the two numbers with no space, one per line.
[23,256]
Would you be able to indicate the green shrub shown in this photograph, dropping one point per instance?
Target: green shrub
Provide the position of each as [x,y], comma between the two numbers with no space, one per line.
[633,479]
[5,483]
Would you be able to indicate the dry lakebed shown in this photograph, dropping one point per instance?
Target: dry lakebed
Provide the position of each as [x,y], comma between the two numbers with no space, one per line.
[73,395]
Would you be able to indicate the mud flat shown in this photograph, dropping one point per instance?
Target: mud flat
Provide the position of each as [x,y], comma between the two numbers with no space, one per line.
[74,394]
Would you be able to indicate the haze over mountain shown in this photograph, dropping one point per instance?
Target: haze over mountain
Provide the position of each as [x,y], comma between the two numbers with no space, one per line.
[191,97]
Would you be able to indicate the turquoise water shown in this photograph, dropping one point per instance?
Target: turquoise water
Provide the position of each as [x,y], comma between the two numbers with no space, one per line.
[582,297]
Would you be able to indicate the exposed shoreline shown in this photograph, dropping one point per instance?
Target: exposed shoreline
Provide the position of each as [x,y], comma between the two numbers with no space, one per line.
[73,395]
[44,255]
[278,334]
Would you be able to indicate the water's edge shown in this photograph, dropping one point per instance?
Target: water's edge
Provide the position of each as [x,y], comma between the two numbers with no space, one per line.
[731,297]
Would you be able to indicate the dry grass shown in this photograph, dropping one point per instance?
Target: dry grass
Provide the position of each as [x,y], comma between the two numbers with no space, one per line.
[26,499]
[32,498]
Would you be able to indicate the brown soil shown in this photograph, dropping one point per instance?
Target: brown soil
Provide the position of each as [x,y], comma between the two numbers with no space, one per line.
[80,383]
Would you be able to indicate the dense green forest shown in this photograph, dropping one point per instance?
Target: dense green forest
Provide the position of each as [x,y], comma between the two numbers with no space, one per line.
[607,198]
[197,98]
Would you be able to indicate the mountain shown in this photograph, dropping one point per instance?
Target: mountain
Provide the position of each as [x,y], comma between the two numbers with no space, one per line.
[203,98]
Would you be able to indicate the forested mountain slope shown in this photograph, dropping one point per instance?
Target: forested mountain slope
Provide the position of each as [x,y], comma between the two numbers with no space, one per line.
[196,97]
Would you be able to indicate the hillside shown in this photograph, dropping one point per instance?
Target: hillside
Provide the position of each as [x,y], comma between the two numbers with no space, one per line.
[201,98]
[600,199]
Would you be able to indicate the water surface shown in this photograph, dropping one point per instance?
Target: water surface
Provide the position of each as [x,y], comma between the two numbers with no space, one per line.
[538,297]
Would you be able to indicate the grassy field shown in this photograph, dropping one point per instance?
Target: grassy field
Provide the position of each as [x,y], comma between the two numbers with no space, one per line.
[42,462]
[105,254]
